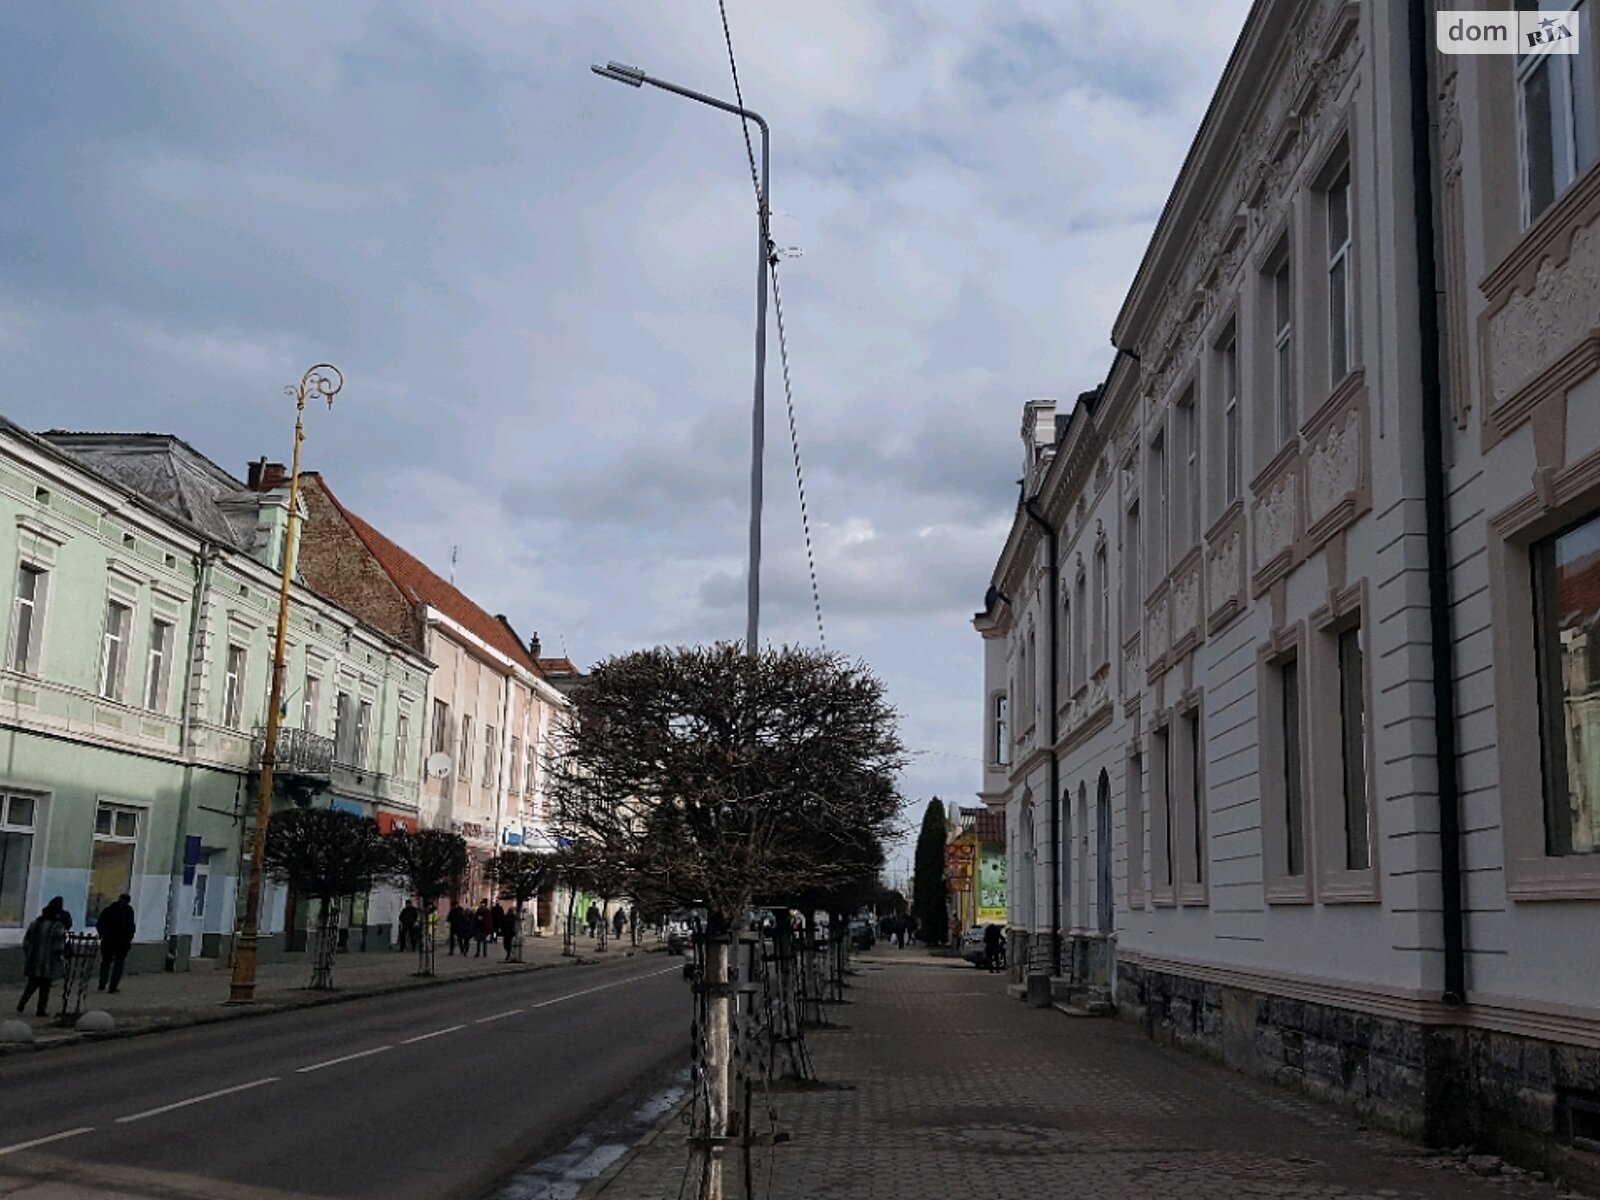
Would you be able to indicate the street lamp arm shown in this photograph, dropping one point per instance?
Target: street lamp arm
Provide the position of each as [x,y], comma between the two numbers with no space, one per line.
[634,77]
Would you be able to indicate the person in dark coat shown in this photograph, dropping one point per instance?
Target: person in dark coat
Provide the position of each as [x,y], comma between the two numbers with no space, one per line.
[483,927]
[508,930]
[408,927]
[44,954]
[993,947]
[619,922]
[594,919]
[116,927]
[460,925]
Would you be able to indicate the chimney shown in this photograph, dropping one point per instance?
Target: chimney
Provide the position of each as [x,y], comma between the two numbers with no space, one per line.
[533,647]
[264,476]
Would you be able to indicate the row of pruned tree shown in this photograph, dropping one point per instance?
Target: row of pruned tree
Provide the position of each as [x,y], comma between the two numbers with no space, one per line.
[707,778]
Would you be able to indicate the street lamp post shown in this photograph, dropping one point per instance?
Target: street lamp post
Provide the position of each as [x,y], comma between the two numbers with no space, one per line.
[635,77]
[323,380]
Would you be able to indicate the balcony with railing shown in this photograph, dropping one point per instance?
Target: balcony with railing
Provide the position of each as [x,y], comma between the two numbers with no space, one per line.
[299,753]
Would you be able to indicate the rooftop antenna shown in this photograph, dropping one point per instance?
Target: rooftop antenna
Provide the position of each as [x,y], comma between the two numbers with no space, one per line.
[454,552]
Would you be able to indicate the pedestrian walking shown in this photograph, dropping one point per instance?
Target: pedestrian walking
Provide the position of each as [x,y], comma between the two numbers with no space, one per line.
[994,947]
[482,927]
[900,924]
[460,928]
[44,954]
[619,922]
[116,928]
[408,927]
[594,919]
[508,930]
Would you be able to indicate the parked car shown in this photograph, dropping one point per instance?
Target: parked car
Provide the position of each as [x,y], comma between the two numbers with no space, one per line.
[972,947]
[679,931]
[862,934]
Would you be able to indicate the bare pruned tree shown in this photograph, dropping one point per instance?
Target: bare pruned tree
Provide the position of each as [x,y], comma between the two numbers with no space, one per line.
[326,855]
[709,777]
[521,875]
[429,864]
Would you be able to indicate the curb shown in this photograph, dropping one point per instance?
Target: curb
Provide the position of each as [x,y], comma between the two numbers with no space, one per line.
[223,1013]
[607,1177]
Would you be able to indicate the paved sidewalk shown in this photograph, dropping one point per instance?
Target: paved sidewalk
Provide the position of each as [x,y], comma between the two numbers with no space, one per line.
[950,1088]
[161,1000]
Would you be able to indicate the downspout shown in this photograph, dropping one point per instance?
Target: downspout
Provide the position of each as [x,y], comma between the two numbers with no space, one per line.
[202,574]
[1437,515]
[1030,506]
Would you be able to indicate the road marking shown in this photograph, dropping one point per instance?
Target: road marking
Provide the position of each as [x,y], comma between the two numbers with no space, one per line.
[422,1037]
[344,1058]
[510,1012]
[165,1108]
[602,987]
[54,1137]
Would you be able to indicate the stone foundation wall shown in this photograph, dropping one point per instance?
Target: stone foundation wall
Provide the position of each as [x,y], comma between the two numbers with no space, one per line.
[1533,1101]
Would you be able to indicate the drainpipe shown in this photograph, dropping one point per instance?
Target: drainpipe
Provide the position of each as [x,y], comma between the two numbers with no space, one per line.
[1030,506]
[1437,514]
[202,575]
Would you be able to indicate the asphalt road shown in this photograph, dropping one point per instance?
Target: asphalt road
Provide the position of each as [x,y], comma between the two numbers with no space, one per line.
[425,1095]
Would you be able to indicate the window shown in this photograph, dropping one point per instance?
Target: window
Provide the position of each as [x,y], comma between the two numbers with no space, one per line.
[363,732]
[1158,492]
[1294,817]
[1189,415]
[17,816]
[155,683]
[1339,322]
[1080,625]
[464,759]
[114,650]
[1133,819]
[402,745]
[489,748]
[1194,793]
[527,769]
[1064,641]
[1556,118]
[1102,608]
[514,775]
[1000,749]
[1230,421]
[116,838]
[343,741]
[1283,352]
[1567,635]
[27,619]
[312,709]
[1353,743]
[1166,865]
[439,739]
[233,688]
[1132,600]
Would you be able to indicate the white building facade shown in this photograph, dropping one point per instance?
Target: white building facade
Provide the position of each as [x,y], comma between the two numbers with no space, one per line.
[1236,802]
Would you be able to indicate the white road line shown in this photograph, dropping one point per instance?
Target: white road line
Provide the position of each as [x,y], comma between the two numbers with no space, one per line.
[422,1037]
[510,1012]
[165,1108]
[602,987]
[54,1137]
[343,1058]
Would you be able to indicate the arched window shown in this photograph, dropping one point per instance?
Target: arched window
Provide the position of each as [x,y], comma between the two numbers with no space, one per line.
[1000,731]
[1102,609]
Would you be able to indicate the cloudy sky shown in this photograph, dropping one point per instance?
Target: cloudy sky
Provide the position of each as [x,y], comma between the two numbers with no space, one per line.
[539,284]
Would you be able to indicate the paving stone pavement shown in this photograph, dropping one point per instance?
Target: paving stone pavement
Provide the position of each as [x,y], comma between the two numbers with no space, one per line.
[952,1089]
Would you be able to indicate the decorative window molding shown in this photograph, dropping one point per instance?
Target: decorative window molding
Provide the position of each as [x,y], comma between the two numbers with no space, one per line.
[1343,794]
[1283,722]
[1188,777]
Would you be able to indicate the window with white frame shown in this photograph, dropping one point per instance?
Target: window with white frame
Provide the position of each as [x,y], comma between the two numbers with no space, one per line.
[1194,796]
[490,745]
[1102,607]
[1566,575]
[1158,518]
[439,738]
[1133,822]
[1080,627]
[19,815]
[1294,812]
[311,709]
[233,688]
[1283,352]
[111,866]
[1341,328]
[1230,419]
[343,744]
[402,746]
[114,649]
[1353,749]
[514,775]
[1189,419]
[158,665]
[1064,639]
[528,768]
[27,618]
[1132,600]
[363,732]
[464,758]
[1000,735]
[1555,117]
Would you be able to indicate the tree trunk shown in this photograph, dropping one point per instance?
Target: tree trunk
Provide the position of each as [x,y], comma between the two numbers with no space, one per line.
[719,1082]
[322,951]
[569,939]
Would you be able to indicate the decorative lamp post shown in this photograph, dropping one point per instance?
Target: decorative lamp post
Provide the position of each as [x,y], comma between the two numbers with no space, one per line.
[323,380]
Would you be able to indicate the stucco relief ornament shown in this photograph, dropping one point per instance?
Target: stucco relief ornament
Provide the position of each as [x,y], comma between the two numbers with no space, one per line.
[1158,628]
[1450,129]
[1535,327]
[1224,573]
[1186,604]
[1331,470]
[1275,520]
[1132,663]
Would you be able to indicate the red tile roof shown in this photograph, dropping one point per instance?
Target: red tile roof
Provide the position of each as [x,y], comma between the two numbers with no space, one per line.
[992,827]
[413,577]
[558,666]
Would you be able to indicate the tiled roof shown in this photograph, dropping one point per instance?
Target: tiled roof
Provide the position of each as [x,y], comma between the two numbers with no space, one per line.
[558,666]
[992,827]
[412,576]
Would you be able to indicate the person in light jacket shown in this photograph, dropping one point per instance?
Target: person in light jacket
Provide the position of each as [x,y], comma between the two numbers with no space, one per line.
[44,954]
